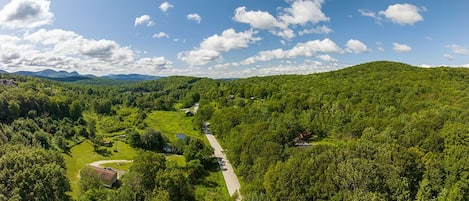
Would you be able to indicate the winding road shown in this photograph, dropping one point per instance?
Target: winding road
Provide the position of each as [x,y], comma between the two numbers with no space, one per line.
[231,179]
[99,163]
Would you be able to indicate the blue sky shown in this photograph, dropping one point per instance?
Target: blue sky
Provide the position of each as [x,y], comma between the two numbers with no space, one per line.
[241,38]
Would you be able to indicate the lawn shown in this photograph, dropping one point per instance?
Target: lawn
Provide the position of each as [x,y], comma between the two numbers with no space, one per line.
[118,166]
[83,154]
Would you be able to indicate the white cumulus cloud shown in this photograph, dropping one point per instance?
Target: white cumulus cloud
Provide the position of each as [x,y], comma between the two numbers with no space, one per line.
[307,49]
[257,19]
[50,37]
[161,35]
[194,17]
[448,56]
[165,6]
[26,14]
[326,57]
[401,48]
[457,49]
[316,30]
[144,19]
[155,63]
[302,12]
[66,50]
[356,46]
[211,48]
[403,14]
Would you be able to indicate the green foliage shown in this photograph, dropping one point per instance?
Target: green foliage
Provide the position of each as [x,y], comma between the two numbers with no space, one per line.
[415,115]
[92,128]
[197,150]
[152,140]
[145,166]
[32,174]
[379,131]
[103,106]
[149,178]
[89,181]
[175,182]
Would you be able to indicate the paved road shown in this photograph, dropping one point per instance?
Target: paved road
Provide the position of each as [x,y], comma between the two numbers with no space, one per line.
[196,107]
[231,179]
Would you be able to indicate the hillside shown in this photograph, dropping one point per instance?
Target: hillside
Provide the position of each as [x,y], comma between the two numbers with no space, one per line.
[405,125]
[375,131]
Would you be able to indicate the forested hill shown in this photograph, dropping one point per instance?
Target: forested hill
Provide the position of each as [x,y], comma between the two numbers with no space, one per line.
[377,131]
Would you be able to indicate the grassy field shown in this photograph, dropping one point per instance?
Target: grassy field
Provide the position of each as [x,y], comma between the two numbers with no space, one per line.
[171,123]
[83,154]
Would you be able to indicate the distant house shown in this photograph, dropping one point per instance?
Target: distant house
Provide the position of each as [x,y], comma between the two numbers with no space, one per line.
[301,139]
[168,148]
[302,144]
[8,82]
[107,176]
[106,143]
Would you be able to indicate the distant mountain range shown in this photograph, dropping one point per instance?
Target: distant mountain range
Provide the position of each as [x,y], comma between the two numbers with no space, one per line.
[48,74]
[74,76]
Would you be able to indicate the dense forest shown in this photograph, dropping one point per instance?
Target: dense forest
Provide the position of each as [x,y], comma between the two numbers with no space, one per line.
[376,131]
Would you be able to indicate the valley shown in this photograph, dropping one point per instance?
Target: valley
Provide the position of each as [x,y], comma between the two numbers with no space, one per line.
[375,131]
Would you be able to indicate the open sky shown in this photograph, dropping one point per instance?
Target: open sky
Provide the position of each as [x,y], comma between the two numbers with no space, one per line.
[222,39]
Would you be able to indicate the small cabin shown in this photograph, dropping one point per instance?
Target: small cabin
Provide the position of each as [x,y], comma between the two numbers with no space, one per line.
[106,176]
[106,143]
[8,82]
[168,148]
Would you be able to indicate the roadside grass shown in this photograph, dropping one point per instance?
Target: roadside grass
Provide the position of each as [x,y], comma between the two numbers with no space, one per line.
[83,154]
[170,123]
[212,187]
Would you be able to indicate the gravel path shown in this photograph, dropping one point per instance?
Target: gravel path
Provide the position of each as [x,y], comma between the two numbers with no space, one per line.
[99,163]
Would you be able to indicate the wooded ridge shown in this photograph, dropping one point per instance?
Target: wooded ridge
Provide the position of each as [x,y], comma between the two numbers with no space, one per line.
[375,131]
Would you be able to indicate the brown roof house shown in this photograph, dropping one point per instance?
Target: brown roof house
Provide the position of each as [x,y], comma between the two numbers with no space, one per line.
[107,176]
